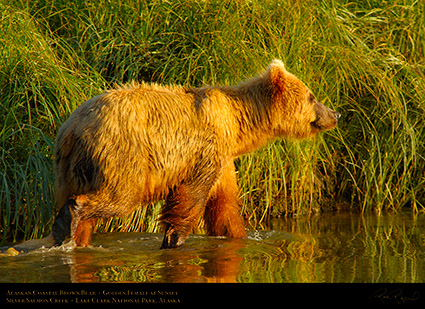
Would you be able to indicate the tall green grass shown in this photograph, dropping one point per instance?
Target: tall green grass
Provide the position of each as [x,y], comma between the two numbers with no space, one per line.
[364,59]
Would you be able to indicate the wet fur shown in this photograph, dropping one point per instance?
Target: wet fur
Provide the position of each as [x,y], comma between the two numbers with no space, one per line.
[144,142]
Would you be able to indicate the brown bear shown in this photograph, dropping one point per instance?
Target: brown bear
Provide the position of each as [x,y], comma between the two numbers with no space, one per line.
[141,143]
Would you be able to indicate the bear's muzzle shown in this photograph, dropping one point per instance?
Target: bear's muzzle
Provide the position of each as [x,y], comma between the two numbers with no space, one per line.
[326,118]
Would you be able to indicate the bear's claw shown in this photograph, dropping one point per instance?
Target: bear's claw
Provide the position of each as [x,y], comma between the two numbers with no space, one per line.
[172,239]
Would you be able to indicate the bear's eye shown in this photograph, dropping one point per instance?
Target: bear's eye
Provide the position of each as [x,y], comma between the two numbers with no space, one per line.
[311,98]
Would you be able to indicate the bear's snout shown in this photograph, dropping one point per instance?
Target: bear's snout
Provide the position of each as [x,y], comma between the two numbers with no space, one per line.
[326,118]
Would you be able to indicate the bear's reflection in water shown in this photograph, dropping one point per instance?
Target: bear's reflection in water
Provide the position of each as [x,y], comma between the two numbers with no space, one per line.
[337,247]
[137,259]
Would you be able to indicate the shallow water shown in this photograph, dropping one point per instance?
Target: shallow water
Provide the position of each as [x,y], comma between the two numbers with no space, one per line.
[340,247]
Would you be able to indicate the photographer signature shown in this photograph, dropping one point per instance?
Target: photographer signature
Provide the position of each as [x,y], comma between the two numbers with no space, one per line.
[398,296]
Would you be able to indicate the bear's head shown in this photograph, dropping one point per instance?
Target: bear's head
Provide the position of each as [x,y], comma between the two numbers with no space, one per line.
[295,111]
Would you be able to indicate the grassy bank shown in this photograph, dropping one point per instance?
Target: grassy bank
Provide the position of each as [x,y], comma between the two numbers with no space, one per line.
[364,59]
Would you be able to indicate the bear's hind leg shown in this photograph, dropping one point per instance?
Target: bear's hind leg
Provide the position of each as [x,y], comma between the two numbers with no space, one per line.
[222,214]
[61,229]
[69,223]
[84,232]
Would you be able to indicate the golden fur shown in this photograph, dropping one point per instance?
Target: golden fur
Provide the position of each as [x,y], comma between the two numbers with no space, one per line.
[144,142]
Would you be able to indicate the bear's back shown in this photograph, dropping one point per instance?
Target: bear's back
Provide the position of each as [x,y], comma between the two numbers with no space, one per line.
[146,137]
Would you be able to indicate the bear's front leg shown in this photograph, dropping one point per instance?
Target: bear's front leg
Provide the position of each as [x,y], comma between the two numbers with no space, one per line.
[181,212]
[222,214]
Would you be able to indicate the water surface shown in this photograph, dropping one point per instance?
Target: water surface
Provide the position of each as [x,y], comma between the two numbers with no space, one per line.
[338,247]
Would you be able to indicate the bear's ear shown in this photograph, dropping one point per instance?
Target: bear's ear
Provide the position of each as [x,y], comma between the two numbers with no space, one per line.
[277,72]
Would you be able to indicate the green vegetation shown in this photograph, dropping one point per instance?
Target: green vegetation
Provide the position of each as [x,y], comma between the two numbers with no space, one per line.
[364,59]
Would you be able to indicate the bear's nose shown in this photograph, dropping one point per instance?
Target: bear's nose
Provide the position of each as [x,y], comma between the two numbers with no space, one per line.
[337,115]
